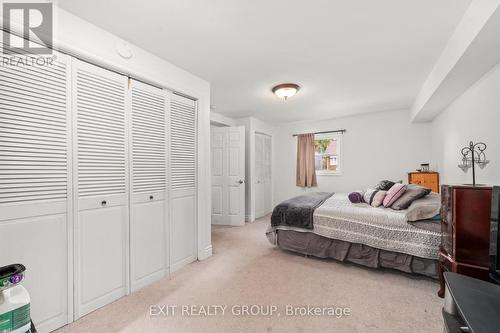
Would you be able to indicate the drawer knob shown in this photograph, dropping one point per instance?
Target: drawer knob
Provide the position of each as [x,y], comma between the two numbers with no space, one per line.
[104,203]
[151,197]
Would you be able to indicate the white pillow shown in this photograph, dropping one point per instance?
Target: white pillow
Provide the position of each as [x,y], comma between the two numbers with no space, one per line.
[424,208]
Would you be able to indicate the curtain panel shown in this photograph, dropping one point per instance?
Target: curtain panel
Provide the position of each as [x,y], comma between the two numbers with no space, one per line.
[306,171]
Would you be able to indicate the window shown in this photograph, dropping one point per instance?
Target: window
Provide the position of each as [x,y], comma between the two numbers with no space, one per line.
[327,154]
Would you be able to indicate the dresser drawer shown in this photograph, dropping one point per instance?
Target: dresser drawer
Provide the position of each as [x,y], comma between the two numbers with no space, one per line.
[426,179]
[416,178]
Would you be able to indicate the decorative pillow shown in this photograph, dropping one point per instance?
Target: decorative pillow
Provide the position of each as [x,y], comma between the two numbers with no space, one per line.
[368,196]
[413,192]
[355,197]
[385,185]
[394,193]
[424,208]
[378,198]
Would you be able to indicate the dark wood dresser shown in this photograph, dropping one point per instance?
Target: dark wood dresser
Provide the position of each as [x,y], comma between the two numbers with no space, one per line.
[465,227]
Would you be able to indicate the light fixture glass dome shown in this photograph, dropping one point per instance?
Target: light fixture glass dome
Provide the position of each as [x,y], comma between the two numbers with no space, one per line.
[286,90]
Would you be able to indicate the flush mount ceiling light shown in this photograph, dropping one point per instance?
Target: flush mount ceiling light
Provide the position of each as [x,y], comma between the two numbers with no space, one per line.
[285,90]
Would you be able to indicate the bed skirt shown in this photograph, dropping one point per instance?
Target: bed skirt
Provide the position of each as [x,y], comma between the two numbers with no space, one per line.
[315,245]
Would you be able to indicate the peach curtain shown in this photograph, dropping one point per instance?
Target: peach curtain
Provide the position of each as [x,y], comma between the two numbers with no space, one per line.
[306,171]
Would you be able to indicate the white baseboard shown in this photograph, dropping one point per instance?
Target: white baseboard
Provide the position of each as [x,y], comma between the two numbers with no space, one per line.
[229,224]
[181,263]
[249,218]
[205,253]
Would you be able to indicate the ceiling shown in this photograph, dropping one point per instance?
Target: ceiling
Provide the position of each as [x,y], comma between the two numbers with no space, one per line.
[350,56]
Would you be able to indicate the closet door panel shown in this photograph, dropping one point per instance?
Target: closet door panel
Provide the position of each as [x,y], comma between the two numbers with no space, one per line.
[148,148]
[147,228]
[101,238]
[183,230]
[39,243]
[101,176]
[183,142]
[35,184]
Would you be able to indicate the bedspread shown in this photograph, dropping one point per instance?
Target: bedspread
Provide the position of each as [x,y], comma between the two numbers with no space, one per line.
[382,228]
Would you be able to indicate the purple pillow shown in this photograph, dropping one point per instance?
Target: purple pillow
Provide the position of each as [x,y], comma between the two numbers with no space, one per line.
[355,197]
[394,193]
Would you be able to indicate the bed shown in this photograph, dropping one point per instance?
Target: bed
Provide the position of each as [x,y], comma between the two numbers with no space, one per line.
[357,233]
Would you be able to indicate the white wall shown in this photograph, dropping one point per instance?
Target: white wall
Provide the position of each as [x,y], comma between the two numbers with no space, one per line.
[383,145]
[473,116]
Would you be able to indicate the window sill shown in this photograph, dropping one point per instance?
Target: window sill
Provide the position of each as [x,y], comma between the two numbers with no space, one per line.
[326,173]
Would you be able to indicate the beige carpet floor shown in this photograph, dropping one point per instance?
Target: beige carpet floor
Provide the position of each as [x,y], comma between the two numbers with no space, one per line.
[245,270]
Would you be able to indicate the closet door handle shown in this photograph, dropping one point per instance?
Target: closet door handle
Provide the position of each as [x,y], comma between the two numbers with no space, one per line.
[151,197]
[104,203]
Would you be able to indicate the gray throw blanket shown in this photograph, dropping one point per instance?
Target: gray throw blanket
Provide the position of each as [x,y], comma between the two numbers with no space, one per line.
[298,212]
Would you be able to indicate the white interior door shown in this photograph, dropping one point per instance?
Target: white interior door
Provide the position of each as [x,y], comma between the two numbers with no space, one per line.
[35,184]
[262,184]
[268,205]
[182,195]
[101,177]
[228,175]
[148,199]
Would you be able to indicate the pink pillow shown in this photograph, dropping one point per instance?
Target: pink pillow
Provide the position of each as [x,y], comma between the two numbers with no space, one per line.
[394,193]
[378,198]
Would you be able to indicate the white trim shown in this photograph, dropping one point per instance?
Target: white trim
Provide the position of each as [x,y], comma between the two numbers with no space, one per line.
[71,198]
[328,173]
[205,253]
[232,224]
[180,264]
[219,119]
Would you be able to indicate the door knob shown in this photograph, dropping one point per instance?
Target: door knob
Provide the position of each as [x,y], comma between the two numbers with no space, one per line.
[240,181]
[151,197]
[103,203]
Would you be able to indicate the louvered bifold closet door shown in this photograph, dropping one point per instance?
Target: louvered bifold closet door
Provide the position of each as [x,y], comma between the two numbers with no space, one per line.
[148,147]
[101,175]
[183,167]
[35,186]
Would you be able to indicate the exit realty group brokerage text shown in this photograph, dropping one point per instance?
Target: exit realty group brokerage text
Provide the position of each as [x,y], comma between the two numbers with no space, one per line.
[248,310]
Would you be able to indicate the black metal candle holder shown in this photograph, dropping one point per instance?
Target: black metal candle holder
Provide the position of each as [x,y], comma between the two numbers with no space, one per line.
[472,155]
